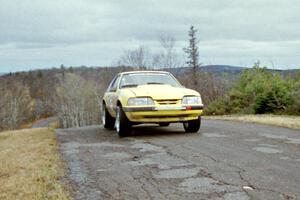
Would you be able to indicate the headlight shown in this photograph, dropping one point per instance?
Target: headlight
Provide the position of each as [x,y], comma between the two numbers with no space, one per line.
[141,101]
[191,100]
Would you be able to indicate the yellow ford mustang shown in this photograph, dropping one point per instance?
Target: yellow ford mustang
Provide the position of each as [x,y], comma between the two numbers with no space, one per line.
[149,97]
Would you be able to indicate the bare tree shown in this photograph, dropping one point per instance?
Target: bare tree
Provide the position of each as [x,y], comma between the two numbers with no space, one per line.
[16,105]
[75,102]
[167,41]
[2,106]
[209,86]
[167,57]
[157,61]
[137,58]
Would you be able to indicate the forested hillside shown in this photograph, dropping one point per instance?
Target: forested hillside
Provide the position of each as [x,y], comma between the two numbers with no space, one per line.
[75,94]
[72,94]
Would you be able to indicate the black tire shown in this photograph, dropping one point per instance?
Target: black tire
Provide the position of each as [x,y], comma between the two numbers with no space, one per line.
[164,124]
[107,120]
[122,124]
[192,126]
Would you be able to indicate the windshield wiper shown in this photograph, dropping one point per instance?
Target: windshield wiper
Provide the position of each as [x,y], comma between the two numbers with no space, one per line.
[129,85]
[155,83]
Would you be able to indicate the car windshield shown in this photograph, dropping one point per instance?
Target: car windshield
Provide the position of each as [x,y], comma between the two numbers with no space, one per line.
[133,80]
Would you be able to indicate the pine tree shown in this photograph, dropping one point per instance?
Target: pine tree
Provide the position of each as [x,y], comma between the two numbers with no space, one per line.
[193,54]
[63,69]
[192,50]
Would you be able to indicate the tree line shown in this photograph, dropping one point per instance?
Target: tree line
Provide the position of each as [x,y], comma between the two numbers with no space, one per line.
[74,95]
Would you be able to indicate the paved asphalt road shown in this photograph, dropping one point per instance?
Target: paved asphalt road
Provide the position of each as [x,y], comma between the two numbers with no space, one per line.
[226,160]
[44,122]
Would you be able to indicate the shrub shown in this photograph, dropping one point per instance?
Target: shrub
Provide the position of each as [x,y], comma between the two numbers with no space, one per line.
[259,91]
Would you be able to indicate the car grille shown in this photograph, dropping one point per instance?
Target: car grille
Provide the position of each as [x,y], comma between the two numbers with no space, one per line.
[167,101]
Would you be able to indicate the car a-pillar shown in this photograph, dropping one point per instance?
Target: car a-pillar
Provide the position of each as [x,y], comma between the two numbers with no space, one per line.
[122,124]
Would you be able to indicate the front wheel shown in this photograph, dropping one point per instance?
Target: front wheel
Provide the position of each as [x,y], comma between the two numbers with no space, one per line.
[122,124]
[107,120]
[192,126]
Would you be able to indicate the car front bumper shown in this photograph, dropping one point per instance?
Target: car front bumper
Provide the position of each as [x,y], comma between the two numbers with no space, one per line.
[157,114]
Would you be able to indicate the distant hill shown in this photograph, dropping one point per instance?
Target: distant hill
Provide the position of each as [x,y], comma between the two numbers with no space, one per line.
[226,69]
[222,71]
[214,69]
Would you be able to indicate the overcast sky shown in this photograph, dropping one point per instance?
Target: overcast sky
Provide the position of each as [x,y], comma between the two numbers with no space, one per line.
[47,33]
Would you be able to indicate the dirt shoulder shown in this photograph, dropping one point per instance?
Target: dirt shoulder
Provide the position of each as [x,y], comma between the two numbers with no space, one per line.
[286,121]
[30,166]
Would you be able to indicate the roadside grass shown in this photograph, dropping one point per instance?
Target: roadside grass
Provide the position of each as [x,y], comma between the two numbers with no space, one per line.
[286,121]
[25,126]
[30,166]
[54,125]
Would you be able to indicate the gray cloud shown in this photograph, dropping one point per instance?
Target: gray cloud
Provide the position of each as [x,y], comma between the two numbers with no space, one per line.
[36,33]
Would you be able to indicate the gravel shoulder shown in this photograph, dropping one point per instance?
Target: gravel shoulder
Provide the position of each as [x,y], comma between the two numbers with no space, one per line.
[226,160]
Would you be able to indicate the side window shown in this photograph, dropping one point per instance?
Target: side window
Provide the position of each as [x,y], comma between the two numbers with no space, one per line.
[114,84]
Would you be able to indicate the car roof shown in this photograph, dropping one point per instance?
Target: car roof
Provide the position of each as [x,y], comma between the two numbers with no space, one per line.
[141,72]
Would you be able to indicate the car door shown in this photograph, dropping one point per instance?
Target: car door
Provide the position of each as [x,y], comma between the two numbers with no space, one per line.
[112,96]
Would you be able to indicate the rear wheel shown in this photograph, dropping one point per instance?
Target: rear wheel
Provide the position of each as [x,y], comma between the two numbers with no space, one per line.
[192,126]
[122,124]
[164,124]
[107,120]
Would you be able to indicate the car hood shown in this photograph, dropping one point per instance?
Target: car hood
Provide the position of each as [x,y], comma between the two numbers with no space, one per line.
[161,91]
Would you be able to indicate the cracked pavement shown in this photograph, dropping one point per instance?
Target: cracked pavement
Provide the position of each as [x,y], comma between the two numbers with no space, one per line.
[225,160]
